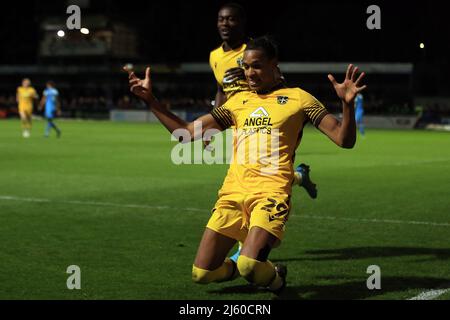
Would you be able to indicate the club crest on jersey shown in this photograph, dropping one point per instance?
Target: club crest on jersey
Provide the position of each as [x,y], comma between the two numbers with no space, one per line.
[282,99]
[259,113]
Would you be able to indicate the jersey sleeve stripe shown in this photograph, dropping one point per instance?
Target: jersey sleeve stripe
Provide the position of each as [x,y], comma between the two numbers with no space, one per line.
[319,118]
[316,112]
[223,117]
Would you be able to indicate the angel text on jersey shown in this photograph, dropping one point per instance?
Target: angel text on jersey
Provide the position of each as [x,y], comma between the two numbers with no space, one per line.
[259,117]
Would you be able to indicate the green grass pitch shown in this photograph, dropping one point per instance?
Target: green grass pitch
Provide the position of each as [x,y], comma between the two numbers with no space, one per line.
[106,197]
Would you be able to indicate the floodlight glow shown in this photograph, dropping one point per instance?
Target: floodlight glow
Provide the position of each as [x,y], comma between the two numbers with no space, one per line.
[84,30]
[422,45]
[61,33]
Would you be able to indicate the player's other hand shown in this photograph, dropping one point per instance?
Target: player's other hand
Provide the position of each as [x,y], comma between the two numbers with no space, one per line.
[234,74]
[141,87]
[350,87]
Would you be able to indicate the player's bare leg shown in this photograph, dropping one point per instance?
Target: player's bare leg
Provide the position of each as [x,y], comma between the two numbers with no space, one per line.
[253,264]
[211,263]
[25,119]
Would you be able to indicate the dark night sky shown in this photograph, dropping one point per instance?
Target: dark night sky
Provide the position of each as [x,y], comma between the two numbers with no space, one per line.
[182,31]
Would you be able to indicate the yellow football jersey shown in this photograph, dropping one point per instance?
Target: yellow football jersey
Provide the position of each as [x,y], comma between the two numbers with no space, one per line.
[267,131]
[220,61]
[26,95]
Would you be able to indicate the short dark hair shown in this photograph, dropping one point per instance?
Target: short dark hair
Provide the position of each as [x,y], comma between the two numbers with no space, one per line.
[51,83]
[236,6]
[266,44]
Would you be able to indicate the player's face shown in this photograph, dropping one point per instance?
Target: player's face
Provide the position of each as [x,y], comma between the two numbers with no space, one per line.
[26,83]
[229,24]
[261,73]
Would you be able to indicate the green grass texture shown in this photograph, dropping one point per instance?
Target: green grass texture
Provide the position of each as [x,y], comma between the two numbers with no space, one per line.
[107,198]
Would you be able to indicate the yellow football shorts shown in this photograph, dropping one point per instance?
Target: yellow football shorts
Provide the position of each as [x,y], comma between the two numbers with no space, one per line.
[25,111]
[235,214]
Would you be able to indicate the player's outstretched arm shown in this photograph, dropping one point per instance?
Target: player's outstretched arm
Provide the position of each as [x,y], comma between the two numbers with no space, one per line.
[343,133]
[142,88]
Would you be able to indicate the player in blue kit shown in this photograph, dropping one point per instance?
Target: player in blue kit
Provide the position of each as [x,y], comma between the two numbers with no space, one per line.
[50,102]
[359,113]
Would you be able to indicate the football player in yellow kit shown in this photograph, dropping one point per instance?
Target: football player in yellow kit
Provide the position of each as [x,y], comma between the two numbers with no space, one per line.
[226,64]
[254,206]
[25,96]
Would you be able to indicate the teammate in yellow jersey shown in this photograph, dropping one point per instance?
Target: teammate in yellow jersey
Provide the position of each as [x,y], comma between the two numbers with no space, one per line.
[257,212]
[226,64]
[25,96]
[226,60]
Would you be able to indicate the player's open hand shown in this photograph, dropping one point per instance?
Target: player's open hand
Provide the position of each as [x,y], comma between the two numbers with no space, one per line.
[351,86]
[233,74]
[141,87]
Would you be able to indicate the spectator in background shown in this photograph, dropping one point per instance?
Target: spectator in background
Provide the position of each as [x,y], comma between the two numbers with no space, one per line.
[3,107]
[124,102]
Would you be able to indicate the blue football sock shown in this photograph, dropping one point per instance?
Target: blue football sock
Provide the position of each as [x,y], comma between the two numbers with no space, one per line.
[235,256]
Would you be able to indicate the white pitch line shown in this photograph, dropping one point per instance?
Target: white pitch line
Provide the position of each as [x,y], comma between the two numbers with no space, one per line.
[426,223]
[430,295]
[100,204]
[401,163]
[140,206]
